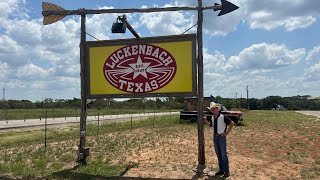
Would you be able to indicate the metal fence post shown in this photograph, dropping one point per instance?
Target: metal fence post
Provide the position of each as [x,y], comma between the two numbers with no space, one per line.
[154,117]
[98,128]
[131,123]
[45,130]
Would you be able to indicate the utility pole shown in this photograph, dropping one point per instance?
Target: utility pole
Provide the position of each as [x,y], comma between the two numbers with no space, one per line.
[3,93]
[247,88]
[241,102]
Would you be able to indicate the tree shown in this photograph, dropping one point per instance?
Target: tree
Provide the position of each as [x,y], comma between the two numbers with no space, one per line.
[4,105]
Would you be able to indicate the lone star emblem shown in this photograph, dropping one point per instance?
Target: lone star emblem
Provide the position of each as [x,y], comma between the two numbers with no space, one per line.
[140,68]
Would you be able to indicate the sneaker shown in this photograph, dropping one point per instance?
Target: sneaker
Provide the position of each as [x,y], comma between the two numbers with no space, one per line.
[219,173]
[226,174]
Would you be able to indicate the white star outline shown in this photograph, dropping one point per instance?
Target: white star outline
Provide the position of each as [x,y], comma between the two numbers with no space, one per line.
[140,68]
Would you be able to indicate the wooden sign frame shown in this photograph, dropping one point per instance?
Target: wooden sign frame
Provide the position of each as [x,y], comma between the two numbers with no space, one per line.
[92,84]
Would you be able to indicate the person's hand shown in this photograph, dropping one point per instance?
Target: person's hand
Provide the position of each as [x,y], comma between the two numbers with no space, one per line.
[223,134]
[205,121]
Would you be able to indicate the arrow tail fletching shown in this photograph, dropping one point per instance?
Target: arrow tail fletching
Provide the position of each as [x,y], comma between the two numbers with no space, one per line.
[51,7]
[51,18]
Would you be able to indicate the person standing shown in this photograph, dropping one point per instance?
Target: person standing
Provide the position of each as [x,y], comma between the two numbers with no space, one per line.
[222,126]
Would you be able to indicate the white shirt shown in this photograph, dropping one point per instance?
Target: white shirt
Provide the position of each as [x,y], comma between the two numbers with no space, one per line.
[221,125]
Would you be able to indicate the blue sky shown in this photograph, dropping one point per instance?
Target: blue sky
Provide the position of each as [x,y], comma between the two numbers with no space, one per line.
[271,46]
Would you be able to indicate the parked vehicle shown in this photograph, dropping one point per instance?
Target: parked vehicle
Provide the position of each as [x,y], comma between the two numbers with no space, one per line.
[190,112]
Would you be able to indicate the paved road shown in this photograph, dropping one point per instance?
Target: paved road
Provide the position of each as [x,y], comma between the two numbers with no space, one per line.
[312,113]
[14,124]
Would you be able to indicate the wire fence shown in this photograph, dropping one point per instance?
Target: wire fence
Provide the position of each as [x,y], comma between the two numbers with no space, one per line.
[50,121]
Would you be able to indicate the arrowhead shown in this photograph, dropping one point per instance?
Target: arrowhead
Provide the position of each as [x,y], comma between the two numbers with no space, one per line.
[227,7]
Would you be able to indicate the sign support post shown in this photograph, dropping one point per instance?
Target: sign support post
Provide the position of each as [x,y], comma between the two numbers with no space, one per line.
[201,149]
[83,152]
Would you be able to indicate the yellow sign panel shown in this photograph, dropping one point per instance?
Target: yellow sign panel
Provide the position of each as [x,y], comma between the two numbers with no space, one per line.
[142,67]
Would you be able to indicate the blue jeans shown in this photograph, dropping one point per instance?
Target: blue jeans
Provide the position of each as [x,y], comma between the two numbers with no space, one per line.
[220,146]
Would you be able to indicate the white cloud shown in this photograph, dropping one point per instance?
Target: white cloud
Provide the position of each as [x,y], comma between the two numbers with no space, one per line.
[8,45]
[60,37]
[289,23]
[258,71]
[213,62]
[266,15]
[164,23]
[33,56]
[25,32]
[9,7]
[264,77]
[4,70]
[313,55]
[265,56]
[312,73]
[290,15]
[31,72]
[100,25]
[216,76]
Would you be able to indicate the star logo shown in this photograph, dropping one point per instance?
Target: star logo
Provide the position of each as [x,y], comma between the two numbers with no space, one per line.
[140,68]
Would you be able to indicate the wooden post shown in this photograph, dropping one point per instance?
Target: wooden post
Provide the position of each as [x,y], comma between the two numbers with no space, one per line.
[83,114]
[201,151]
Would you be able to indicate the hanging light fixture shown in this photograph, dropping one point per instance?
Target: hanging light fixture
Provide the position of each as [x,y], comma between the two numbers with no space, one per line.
[120,25]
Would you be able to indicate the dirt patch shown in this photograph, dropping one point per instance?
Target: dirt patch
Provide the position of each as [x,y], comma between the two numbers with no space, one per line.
[253,153]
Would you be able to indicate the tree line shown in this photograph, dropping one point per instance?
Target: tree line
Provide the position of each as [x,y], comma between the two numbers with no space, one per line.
[271,102]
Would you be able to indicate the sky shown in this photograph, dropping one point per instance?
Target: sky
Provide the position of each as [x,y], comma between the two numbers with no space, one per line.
[273,46]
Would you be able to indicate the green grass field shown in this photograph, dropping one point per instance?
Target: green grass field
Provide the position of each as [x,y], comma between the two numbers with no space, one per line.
[40,113]
[270,145]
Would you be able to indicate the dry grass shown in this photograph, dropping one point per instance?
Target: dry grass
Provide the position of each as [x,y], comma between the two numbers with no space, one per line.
[272,145]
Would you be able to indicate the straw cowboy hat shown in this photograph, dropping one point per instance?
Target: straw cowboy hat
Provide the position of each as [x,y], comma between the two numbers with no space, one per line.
[213,104]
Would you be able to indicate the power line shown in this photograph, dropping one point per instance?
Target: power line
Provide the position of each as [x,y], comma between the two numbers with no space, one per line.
[93,36]
[189,28]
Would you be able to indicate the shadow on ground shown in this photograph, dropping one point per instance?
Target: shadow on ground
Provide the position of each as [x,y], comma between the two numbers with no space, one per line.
[70,174]
[200,174]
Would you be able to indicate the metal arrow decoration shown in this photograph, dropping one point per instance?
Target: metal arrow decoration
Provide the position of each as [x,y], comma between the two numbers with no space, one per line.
[53,13]
[225,8]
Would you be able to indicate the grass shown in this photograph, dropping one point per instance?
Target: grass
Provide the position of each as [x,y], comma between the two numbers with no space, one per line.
[55,113]
[271,142]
